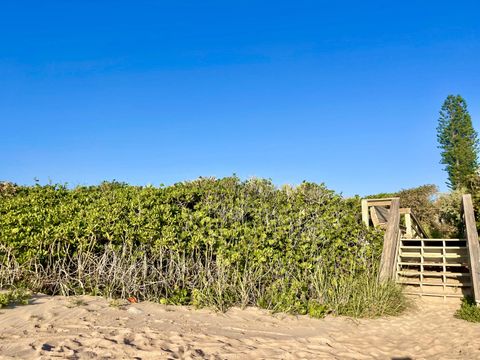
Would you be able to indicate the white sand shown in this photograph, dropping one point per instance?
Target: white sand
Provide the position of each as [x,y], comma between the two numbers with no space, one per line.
[57,327]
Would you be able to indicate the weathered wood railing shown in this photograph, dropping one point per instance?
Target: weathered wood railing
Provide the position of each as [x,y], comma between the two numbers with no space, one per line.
[411,226]
[472,244]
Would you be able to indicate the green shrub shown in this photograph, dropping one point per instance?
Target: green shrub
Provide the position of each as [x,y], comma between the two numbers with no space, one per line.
[469,310]
[14,297]
[206,242]
[449,207]
[317,309]
[286,295]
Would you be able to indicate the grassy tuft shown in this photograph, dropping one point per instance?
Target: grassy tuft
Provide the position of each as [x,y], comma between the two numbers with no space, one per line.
[358,294]
[76,302]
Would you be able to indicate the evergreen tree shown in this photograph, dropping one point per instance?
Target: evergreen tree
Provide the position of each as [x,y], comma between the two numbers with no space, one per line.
[459,142]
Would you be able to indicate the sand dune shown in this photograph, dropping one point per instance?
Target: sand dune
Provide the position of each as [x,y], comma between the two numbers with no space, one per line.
[90,328]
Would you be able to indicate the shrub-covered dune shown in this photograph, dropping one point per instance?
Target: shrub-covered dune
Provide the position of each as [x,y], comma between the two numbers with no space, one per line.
[208,242]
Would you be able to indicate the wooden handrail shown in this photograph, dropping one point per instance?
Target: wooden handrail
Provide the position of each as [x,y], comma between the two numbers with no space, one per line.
[422,231]
[369,212]
[390,243]
[473,245]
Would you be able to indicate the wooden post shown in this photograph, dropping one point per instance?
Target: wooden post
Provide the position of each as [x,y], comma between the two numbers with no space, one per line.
[408,225]
[473,246]
[390,243]
[365,217]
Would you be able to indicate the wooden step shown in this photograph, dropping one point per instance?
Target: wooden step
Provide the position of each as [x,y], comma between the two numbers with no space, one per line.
[429,283]
[434,279]
[435,289]
[428,260]
[434,282]
[432,273]
[433,247]
[434,255]
[432,264]
[459,296]
[449,240]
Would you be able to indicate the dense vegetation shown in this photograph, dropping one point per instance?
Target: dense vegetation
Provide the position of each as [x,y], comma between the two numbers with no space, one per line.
[207,242]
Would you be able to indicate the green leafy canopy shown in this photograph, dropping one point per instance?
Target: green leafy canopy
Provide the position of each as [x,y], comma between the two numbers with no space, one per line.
[459,142]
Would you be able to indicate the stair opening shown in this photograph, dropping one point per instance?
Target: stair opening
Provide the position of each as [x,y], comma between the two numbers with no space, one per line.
[434,267]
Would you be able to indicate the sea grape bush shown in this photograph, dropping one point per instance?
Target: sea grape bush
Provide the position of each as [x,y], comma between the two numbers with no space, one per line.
[206,242]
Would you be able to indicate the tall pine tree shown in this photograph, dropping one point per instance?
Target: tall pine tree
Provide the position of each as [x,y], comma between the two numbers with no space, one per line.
[459,142]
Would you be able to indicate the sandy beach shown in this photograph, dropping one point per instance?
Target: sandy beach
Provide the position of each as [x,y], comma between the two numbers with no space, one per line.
[91,327]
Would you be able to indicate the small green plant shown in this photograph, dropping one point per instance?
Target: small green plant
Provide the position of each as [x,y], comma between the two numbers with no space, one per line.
[317,310]
[115,303]
[469,310]
[15,297]
[75,302]
[286,295]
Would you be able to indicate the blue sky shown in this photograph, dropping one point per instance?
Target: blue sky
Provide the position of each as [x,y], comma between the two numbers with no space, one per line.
[153,92]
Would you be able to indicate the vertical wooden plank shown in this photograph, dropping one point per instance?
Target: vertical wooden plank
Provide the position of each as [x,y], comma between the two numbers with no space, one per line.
[408,225]
[395,252]
[444,267]
[365,218]
[422,267]
[390,243]
[473,246]
[374,216]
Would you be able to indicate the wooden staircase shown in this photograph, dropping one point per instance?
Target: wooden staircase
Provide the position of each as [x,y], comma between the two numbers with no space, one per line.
[446,268]
[434,267]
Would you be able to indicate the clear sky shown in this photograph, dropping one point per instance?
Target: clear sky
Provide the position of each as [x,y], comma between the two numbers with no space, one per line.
[152,92]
